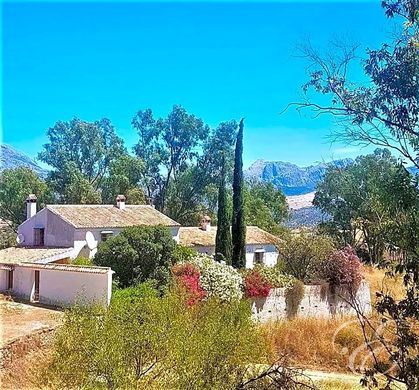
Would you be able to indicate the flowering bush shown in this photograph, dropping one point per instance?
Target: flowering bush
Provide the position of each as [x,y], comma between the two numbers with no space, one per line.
[188,279]
[256,285]
[343,267]
[275,276]
[218,279]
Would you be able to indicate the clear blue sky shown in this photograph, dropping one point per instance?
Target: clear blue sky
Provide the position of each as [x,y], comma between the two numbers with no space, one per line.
[220,61]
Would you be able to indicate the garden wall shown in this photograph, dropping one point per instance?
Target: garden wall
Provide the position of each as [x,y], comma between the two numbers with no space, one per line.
[318,301]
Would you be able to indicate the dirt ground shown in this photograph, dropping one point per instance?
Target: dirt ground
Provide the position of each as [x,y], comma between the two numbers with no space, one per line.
[21,319]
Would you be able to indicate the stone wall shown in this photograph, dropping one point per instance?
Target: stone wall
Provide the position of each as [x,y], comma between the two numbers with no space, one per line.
[318,301]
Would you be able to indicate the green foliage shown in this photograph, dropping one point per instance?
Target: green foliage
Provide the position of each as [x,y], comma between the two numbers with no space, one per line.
[184,254]
[275,276]
[217,279]
[363,200]
[143,341]
[7,237]
[82,260]
[70,186]
[178,177]
[125,178]
[223,236]
[15,186]
[265,206]
[87,147]
[294,294]
[138,254]
[301,253]
[238,225]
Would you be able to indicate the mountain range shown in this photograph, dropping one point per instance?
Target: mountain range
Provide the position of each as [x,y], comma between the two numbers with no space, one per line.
[290,178]
[11,158]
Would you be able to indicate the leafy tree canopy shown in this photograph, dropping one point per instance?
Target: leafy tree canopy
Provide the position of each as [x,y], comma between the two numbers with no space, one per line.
[15,186]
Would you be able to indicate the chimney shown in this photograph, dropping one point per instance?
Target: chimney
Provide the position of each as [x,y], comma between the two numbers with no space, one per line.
[30,206]
[206,223]
[120,202]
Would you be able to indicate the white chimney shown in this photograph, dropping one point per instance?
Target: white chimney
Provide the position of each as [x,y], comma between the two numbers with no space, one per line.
[30,206]
[206,223]
[120,202]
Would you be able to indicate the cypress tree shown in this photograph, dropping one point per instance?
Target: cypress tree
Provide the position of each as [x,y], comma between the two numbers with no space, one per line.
[223,237]
[238,226]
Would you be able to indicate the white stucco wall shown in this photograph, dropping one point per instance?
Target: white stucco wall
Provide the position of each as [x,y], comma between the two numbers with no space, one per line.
[59,287]
[68,287]
[318,301]
[57,232]
[23,282]
[270,256]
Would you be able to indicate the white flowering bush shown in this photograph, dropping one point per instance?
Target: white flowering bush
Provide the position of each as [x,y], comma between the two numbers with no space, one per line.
[218,279]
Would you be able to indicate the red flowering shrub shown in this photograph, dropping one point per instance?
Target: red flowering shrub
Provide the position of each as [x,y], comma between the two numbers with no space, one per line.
[256,285]
[188,279]
[343,267]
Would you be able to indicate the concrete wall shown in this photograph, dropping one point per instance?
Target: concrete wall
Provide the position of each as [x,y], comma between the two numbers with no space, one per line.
[57,232]
[61,288]
[318,301]
[270,255]
[65,288]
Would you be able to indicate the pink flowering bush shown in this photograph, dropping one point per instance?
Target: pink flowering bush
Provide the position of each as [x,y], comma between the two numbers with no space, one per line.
[343,267]
[256,285]
[188,280]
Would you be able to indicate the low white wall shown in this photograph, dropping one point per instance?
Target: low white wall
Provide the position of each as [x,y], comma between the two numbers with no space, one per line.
[68,287]
[61,288]
[318,301]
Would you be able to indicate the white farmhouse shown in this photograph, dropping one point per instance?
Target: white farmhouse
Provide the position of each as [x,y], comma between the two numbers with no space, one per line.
[260,245]
[39,269]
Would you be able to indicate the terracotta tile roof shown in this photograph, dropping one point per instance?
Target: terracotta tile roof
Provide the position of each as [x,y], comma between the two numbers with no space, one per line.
[67,267]
[194,236]
[17,255]
[109,216]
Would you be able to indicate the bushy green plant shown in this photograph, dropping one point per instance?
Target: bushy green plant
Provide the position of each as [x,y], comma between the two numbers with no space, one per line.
[138,254]
[301,253]
[294,294]
[82,260]
[275,276]
[218,279]
[184,253]
[153,342]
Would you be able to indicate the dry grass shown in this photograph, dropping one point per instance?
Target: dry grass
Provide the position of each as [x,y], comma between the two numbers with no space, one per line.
[379,281]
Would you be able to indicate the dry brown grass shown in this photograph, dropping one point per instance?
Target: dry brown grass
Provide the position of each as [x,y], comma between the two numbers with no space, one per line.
[379,281]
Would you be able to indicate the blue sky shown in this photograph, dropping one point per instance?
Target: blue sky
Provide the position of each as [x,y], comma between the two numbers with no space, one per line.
[221,61]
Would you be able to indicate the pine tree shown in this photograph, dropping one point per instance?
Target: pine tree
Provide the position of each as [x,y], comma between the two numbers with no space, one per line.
[238,226]
[223,237]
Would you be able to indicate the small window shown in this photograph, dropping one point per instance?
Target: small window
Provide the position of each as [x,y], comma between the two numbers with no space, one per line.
[259,256]
[106,234]
[39,236]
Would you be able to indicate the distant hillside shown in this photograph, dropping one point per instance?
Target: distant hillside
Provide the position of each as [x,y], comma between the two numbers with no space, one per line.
[290,178]
[12,158]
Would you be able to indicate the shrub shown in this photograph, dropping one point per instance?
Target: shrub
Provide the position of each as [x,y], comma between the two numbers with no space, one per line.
[82,260]
[256,285]
[218,279]
[275,276]
[301,253]
[343,267]
[138,254]
[294,294]
[184,254]
[155,343]
[187,277]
